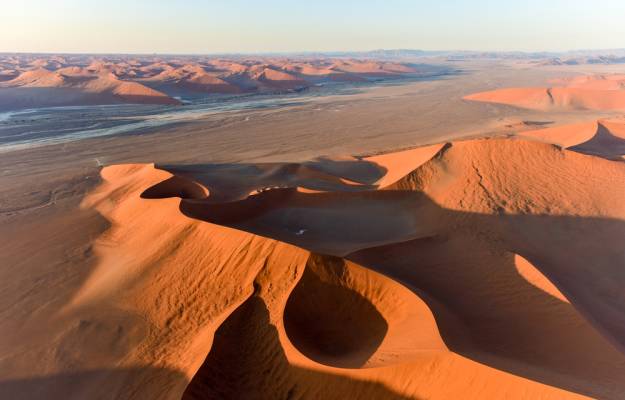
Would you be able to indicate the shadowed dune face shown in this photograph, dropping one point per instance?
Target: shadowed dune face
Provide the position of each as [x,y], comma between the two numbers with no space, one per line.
[482,234]
[603,138]
[330,322]
[176,187]
[234,182]
[344,315]
[89,384]
[247,361]
[607,142]
[509,316]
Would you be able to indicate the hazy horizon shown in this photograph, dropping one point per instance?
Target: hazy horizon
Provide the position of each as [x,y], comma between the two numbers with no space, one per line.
[602,51]
[278,26]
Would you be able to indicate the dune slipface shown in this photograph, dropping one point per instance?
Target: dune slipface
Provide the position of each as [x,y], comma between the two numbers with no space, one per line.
[603,138]
[479,269]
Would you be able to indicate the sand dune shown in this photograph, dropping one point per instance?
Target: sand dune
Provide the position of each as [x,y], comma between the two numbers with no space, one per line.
[209,83]
[476,269]
[608,141]
[564,135]
[55,80]
[191,78]
[370,67]
[389,313]
[399,164]
[299,218]
[603,138]
[438,272]
[75,85]
[601,92]
[274,78]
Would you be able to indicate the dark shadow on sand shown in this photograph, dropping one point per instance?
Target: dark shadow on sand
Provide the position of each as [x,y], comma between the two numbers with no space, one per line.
[122,383]
[465,270]
[247,362]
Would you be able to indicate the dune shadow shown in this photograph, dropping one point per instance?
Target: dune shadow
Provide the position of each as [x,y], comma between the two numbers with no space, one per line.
[361,171]
[235,182]
[465,266]
[120,383]
[175,187]
[602,144]
[328,321]
[487,311]
[247,361]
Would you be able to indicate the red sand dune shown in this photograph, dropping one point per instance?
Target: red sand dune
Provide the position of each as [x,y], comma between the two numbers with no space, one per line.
[399,164]
[76,85]
[191,78]
[602,92]
[203,81]
[603,138]
[55,81]
[479,269]
[273,78]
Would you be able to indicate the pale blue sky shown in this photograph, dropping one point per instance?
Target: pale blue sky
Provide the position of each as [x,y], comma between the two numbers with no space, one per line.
[193,26]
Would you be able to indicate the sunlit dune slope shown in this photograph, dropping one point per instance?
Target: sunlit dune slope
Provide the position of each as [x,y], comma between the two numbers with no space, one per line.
[478,269]
[601,92]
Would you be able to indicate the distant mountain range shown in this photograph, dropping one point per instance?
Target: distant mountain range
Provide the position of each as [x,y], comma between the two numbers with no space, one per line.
[606,54]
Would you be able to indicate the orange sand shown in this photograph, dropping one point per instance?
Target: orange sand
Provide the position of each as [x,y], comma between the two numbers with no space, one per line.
[477,269]
[461,278]
[603,138]
[601,92]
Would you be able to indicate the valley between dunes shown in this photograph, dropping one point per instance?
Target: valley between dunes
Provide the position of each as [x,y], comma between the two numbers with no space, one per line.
[484,268]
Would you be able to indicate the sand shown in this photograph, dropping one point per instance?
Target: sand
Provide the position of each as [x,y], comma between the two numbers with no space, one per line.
[460,267]
[603,138]
[77,80]
[468,242]
[41,87]
[600,92]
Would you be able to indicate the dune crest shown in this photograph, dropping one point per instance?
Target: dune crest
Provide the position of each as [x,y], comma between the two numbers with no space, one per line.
[399,164]
[533,276]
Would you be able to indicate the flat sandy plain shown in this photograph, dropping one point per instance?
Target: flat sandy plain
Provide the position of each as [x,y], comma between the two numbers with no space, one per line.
[429,289]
